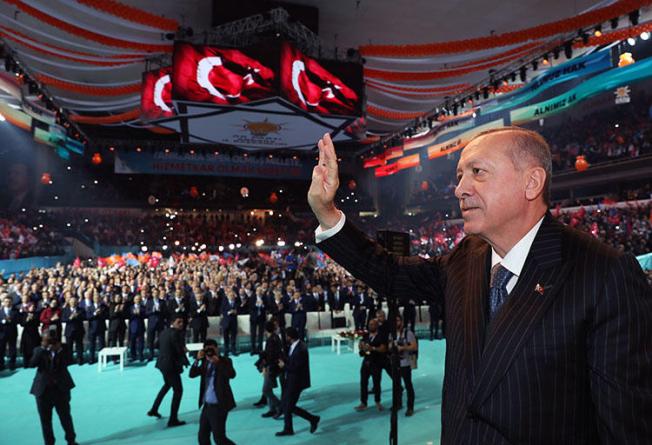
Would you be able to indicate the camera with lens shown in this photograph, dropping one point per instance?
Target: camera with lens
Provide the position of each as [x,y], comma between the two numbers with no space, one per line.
[209,352]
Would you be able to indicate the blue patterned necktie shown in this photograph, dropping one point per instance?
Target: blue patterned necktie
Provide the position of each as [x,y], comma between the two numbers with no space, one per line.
[498,288]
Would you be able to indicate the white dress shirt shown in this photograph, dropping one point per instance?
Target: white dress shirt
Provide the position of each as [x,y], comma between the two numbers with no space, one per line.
[515,258]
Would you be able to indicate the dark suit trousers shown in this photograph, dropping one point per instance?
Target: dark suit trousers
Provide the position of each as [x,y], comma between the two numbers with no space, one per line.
[55,398]
[8,342]
[170,380]
[213,418]
[230,335]
[369,369]
[152,336]
[290,399]
[199,334]
[95,337]
[360,319]
[256,328]
[136,345]
[76,340]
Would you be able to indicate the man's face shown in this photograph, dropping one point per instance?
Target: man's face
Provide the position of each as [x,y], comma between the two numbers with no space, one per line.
[178,324]
[490,188]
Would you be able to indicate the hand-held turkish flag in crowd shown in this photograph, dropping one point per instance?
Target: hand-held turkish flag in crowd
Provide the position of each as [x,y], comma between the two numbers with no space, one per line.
[307,84]
[156,96]
[219,75]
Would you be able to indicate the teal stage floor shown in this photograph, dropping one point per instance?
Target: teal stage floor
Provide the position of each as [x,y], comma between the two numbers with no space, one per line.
[109,408]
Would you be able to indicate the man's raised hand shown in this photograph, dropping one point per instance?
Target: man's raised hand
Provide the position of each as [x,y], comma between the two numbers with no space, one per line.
[325,181]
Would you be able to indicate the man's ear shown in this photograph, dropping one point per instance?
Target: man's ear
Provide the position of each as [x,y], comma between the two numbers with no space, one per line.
[535,180]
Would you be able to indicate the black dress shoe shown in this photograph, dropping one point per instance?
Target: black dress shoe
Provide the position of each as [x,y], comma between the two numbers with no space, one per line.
[268,414]
[172,423]
[262,402]
[151,413]
[278,415]
[285,433]
[314,423]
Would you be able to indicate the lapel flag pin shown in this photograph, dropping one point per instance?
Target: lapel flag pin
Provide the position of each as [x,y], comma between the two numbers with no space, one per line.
[539,288]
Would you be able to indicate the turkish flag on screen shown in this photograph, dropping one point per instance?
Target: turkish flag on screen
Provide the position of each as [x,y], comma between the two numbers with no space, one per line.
[219,75]
[156,95]
[307,84]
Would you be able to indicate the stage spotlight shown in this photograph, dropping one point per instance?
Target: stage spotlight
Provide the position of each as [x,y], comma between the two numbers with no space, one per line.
[522,74]
[631,41]
[555,53]
[598,31]
[568,50]
[485,92]
[535,65]
[513,76]
[645,35]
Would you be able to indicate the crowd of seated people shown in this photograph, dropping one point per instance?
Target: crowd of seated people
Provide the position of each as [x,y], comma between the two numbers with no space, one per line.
[614,133]
[24,236]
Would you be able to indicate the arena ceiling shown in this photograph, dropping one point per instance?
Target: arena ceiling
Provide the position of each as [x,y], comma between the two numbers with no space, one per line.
[50,37]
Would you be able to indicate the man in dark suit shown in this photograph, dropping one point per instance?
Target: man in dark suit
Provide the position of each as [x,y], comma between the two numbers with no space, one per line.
[297,378]
[298,308]
[257,318]
[229,313]
[214,393]
[199,318]
[8,332]
[156,311]
[51,387]
[73,316]
[171,360]
[96,313]
[547,329]
[270,357]
[136,314]
[361,303]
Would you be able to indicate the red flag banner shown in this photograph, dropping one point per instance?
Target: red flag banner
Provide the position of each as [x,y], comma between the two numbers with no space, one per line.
[310,86]
[219,75]
[156,96]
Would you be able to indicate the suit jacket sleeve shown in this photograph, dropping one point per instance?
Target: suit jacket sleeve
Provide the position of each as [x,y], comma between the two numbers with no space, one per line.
[402,277]
[620,355]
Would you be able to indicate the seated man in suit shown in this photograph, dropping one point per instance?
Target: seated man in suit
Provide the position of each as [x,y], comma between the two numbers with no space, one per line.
[52,385]
[171,360]
[548,329]
[214,392]
[297,378]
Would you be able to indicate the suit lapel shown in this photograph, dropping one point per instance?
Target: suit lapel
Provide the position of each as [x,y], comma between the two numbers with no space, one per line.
[475,307]
[541,278]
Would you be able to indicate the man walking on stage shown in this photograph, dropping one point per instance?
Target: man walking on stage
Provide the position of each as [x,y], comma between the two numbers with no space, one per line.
[171,360]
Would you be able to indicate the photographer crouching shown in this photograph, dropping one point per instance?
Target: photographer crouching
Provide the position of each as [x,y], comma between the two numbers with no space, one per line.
[214,392]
